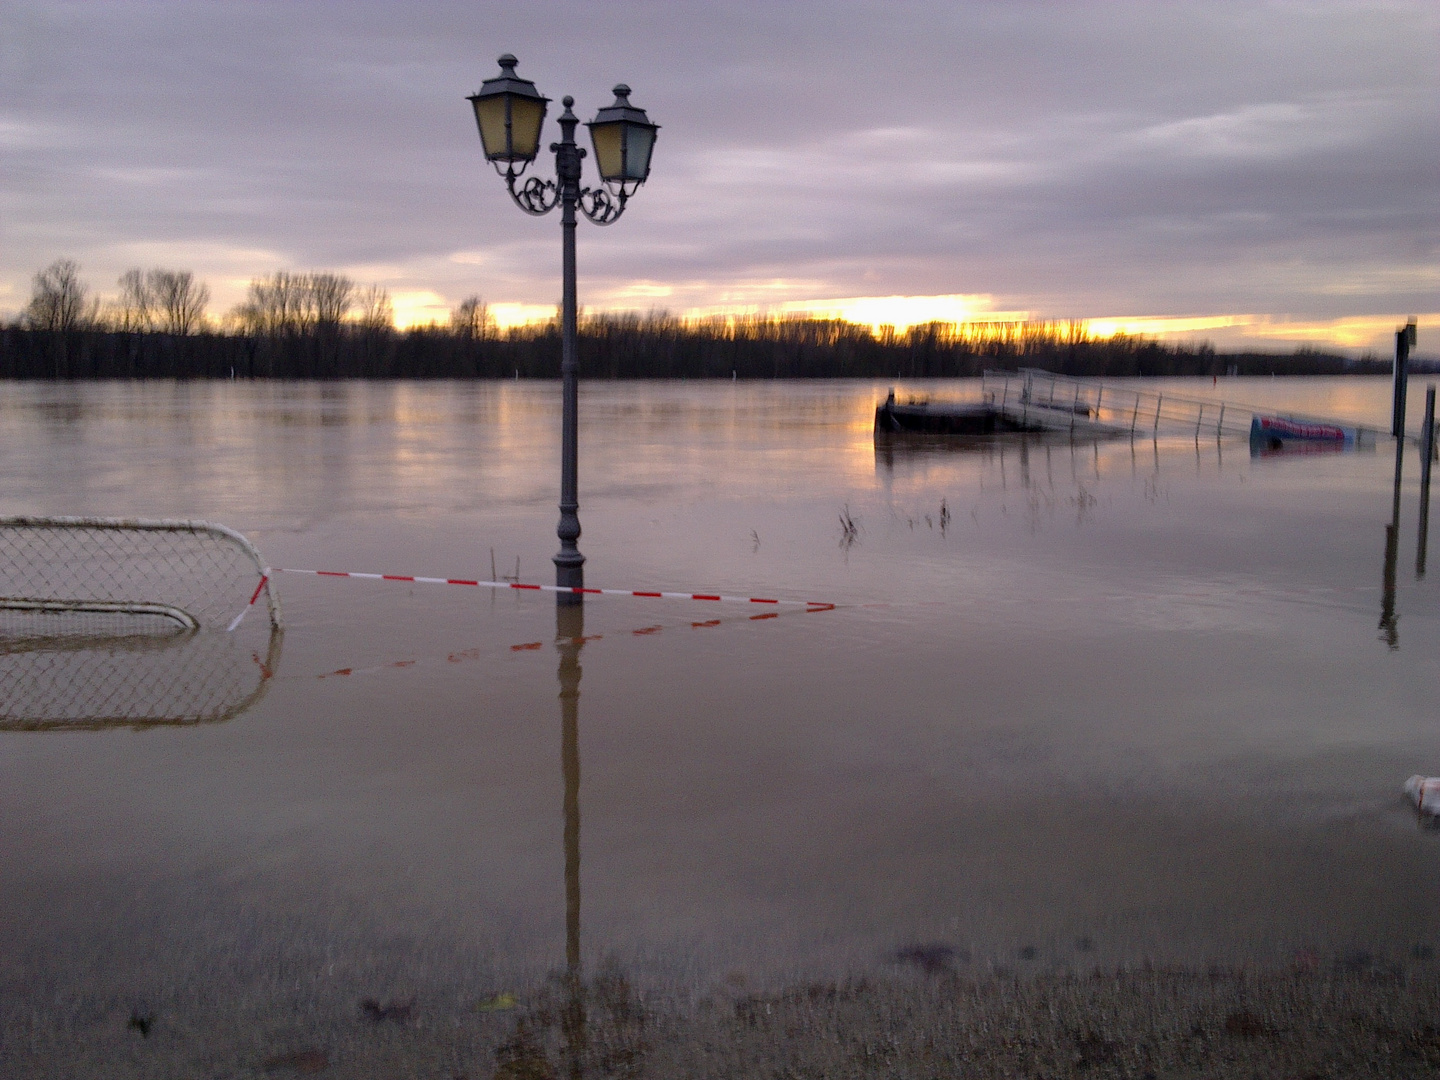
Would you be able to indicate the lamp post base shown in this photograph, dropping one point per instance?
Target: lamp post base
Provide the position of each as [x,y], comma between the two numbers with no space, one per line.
[569,574]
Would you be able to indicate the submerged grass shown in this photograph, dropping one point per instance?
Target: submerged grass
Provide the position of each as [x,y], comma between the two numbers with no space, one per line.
[927,1021]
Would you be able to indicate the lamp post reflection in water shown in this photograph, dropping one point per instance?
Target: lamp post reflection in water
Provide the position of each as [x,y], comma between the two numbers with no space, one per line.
[594,1027]
[569,640]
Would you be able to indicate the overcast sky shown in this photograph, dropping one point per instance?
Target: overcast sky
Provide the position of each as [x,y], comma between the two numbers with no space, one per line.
[1205,160]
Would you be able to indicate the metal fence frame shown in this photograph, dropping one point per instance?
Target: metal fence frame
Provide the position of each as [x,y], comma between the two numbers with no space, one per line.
[84,604]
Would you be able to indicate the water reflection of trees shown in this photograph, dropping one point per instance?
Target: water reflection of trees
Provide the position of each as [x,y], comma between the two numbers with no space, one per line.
[68,682]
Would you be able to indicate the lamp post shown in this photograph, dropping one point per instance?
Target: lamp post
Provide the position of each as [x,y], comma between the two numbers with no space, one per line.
[510,113]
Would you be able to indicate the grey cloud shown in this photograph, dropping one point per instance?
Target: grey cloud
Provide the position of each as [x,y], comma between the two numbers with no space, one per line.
[1071,158]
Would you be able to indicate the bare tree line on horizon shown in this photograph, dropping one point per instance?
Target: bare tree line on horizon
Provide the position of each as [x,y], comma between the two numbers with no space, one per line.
[166,301]
[322,325]
[294,304]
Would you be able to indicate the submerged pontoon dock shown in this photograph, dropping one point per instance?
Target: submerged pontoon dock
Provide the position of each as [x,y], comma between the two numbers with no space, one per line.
[1034,401]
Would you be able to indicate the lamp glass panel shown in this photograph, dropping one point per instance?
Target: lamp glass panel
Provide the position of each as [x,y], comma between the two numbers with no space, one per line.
[609,149]
[490,115]
[639,141]
[527,117]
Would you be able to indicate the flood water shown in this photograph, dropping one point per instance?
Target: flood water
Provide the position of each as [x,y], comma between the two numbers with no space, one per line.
[1116,703]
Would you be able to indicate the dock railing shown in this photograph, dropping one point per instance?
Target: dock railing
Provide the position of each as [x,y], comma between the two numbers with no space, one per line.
[1043,397]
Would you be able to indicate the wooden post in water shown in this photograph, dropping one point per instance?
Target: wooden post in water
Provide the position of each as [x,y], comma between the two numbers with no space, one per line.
[1427,438]
[1404,341]
[1427,451]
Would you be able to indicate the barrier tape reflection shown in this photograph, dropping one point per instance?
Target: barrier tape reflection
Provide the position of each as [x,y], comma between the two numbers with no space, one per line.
[475,653]
[812,605]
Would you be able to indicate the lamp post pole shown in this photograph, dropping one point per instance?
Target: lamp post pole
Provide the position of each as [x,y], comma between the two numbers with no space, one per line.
[510,113]
[569,563]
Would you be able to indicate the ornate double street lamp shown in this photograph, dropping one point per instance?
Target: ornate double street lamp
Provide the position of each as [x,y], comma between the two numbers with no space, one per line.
[510,113]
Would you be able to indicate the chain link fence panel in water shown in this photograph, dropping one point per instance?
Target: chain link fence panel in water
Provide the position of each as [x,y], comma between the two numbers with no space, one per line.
[109,622]
[193,573]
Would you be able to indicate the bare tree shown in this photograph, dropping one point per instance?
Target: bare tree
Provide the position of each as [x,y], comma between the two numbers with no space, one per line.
[294,307]
[59,300]
[134,310]
[331,296]
[277,304]
[179,301]
[260,313]
[377,314]
[471,320]
[295,304]
[248,317]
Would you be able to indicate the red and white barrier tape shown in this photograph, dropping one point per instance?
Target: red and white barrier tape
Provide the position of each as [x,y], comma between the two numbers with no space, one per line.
[264,580]
[812,605]
[809,605]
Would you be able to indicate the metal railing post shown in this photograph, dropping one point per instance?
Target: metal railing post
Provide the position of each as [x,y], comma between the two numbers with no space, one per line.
[1427,438]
